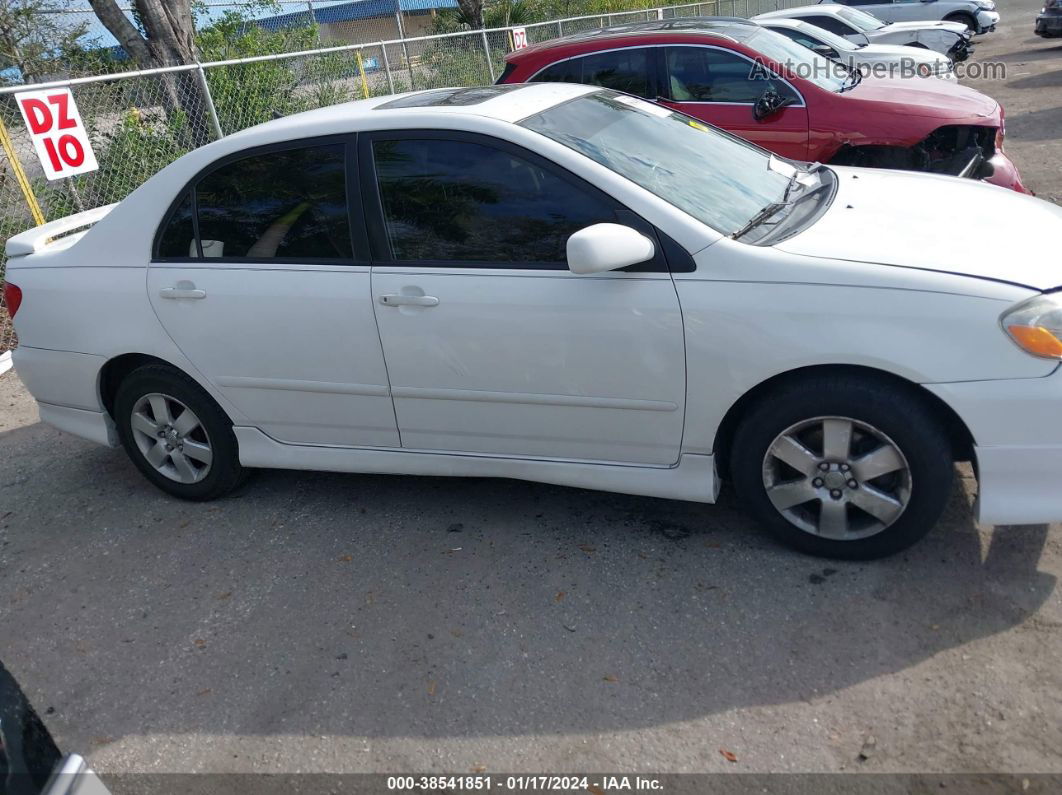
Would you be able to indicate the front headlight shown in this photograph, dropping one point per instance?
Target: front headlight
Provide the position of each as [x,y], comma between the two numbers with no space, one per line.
[1036,325]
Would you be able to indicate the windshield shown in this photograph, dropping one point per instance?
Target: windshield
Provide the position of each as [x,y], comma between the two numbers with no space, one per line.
[798,59]
[861,19]
[717,178]
[839,43]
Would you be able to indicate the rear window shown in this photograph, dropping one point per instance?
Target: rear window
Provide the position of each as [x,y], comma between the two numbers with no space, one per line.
[289,205]
[625,70]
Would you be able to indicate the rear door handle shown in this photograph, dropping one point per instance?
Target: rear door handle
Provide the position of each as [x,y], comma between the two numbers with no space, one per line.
[181,292]
[394,299]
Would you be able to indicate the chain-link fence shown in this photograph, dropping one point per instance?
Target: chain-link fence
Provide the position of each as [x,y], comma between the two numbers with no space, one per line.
[140,121]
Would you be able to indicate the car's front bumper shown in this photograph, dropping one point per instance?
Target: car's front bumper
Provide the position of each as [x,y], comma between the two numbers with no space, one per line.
[987,21]
[1005,174]
[962,49]
[1049,25]
[1017,445]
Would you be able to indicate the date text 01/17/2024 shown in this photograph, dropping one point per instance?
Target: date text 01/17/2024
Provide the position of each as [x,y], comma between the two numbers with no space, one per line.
[525,783]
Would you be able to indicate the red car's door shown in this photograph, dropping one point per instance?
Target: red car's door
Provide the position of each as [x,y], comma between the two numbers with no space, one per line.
[721,87]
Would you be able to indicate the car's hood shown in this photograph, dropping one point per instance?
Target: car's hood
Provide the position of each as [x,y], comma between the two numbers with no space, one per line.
[923,97]
[937,223]
[954,27]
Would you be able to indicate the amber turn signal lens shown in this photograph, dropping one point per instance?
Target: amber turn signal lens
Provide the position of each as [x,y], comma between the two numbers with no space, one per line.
[1037,340]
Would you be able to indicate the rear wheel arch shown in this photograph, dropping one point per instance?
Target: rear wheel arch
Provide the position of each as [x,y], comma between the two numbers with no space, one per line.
[118,368]
[959,435]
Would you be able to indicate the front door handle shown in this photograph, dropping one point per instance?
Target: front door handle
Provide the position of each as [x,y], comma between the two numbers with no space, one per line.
[183,290]
[394,299]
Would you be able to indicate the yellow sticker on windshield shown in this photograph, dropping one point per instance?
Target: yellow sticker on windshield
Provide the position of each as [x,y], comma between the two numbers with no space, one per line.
[697,125]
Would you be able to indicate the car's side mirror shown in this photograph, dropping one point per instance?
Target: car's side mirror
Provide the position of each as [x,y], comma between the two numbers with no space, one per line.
[607,247]
[826,51]
[769,103]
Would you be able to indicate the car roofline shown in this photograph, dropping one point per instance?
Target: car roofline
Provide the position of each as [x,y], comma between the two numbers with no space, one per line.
[643,29]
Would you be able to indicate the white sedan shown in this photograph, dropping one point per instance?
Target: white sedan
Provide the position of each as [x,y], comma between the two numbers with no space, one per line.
[949,38]
[565,284]
[980,16]
[876,60]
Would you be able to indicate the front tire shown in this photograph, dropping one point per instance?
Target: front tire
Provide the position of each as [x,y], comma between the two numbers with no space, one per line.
[843,467]
[176,434]
[964,19]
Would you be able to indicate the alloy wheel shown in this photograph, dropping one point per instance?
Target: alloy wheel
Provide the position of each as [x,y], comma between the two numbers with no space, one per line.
[837,478]
[171,438]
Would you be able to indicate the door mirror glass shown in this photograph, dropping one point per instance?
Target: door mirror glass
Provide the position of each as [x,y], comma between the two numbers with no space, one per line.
[607,247]
[826,51]
[769,103]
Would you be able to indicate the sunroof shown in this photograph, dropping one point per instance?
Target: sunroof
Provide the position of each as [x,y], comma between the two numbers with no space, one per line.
[451,96]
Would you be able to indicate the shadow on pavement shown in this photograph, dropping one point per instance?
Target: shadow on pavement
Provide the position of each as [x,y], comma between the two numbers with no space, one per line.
[403,606]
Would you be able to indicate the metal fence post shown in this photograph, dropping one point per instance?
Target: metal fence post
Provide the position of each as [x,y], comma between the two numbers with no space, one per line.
[560,28]
[486,49]
[387,69]
[214,121]
[405,49]
[313,21]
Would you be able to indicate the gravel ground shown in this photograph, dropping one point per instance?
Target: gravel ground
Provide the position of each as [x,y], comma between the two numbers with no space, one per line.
[1031,94]
[321,622]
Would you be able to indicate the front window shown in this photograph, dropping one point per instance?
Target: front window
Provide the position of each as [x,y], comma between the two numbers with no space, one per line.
[861,19]
[708,74]
[467,202]
[717,178]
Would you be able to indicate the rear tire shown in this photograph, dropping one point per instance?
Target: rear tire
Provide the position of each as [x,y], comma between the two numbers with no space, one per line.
[176,434]
[842,467]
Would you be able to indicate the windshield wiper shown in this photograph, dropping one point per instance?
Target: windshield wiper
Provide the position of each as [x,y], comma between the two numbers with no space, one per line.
[760,217]
[775,207]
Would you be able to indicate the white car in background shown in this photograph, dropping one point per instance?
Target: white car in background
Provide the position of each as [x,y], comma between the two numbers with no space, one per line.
[566,284]
[949,38]
[980,16]
[892,60]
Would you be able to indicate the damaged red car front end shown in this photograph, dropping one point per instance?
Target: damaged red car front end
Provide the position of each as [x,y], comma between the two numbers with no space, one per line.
[763,87]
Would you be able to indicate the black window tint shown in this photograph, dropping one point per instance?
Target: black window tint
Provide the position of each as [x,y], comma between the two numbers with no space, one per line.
[459,201]
[702,74]
[622,70]
[563,72]
[289,204]
[178,238]
[832,24]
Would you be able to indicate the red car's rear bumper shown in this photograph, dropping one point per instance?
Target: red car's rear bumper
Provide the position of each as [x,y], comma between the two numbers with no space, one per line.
[1005,174]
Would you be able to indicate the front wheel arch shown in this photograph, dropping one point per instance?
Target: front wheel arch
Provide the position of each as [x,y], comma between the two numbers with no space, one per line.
[962,441]
[966,19]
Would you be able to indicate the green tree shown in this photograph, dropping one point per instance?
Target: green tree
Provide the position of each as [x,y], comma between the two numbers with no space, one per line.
[34,36]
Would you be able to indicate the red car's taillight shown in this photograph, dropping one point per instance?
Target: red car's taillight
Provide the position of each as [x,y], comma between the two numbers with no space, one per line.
[12,298]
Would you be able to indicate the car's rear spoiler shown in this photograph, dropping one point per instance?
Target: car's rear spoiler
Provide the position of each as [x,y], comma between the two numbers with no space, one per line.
[37,239]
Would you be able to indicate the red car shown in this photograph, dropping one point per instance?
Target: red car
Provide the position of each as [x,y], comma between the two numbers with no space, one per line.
[772,91]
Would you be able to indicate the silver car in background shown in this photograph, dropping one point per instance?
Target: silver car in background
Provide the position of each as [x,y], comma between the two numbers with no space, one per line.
[948,38]
[889,60]
[980,16]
